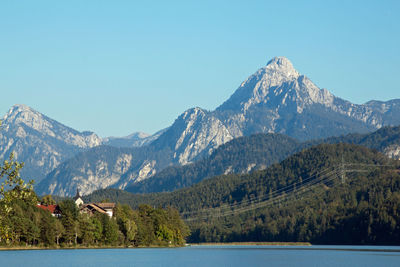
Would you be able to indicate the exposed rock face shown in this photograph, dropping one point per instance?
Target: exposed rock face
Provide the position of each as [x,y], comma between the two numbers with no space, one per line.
[102,167]
[147,169]
[40,142]
[90,173]
[392,151]
[194,133]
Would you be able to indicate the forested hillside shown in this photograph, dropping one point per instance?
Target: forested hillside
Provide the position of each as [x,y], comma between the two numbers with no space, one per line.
[385,140]
[246,154]
[326,211]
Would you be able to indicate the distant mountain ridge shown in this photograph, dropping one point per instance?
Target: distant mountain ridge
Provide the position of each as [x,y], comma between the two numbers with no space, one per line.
[275,99]
[136,139]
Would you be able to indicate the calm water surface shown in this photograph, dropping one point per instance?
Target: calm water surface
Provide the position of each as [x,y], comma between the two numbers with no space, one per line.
[209,256]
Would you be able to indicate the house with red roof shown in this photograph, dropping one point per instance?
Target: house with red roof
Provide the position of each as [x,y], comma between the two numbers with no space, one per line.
[53,209]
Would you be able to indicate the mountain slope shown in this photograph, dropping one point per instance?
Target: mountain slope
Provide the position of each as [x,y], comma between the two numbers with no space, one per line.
[194,133]
[241,155]
[101,167]
[385,140]
[40,142]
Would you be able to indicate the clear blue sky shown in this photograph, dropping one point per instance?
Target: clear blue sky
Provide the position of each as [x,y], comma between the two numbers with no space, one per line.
[116,67]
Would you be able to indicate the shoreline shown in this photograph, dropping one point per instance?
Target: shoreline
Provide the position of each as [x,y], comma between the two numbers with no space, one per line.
[273,245]
[2,248]
[5,248]
[252,244]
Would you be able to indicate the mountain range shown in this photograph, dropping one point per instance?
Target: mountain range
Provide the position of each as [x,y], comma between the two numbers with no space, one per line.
[275,99]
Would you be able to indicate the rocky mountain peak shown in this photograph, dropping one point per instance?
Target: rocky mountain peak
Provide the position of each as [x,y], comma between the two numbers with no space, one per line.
[192,113]
[22,114]
[274,80]
[39,141]
[18,111]
[283,65]
[24,119]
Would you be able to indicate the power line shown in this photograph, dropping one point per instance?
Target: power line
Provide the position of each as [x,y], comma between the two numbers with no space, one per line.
[282,194]
[272,194]
[270,202]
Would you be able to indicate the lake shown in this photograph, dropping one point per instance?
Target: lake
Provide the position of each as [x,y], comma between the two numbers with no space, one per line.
[209,256]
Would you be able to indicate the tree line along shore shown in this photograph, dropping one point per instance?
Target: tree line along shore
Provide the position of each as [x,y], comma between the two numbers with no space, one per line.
[29,226]
[26,221]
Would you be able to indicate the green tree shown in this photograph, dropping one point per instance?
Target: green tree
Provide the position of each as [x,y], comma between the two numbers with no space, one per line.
[163,233]
[48,231]
[88,229]
[69,206]
[98,229]
[125,220]
[110,230]
[70,225]
[69,219]
[48,200]
[146,230]
[59,231]
[12,187]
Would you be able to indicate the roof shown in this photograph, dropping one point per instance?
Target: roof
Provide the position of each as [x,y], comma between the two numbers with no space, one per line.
[94,207]
[99,207]
[52,208]
[106,206]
